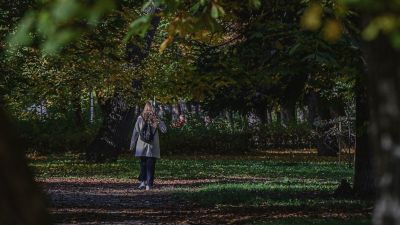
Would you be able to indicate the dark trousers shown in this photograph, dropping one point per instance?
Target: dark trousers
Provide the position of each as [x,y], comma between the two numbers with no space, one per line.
[147,169]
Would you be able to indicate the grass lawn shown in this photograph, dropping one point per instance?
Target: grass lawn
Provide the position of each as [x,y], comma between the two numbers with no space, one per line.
[292,188]
[274,166]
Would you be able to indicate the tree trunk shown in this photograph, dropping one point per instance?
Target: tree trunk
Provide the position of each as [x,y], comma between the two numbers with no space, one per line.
[278,116]
[114,134]
[364,177]
[289,112]
[78,116]
[261,112]
[312,107]
[269,115]
[384,88]
[109,142]
[21,201]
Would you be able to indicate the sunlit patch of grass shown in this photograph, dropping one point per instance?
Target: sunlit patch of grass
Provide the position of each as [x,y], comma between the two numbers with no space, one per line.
[126,167]
[280,182]
[294,200]
[310,194]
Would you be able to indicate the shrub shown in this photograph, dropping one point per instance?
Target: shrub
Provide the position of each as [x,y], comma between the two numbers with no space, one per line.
[222,136]
[291,136]
[54,135]
[218,137]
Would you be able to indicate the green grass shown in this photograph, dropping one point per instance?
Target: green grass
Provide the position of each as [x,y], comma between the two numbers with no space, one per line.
[298,187]
[126,167]
[305,194]
[306,221]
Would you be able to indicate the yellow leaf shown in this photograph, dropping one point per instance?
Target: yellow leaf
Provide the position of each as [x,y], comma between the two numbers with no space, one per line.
[312,16]
[332,30]
[165,44]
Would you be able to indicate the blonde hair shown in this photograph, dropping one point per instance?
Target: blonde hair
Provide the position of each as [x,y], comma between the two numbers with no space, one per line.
[148,108]
[150,114]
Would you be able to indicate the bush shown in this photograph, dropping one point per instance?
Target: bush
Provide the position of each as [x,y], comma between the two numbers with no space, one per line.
[222,136]
[54,135]
[291,136]
[218,137]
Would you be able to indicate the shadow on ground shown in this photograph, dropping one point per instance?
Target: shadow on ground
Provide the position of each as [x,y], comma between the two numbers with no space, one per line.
[113,201]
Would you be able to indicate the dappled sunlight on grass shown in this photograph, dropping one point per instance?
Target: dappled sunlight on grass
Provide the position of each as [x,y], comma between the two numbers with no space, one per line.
[270,188]
[277,193]
[126,167]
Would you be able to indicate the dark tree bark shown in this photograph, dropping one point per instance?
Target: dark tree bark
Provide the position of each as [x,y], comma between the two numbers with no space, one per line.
[326,146]
[261,112]
[114,134]
[78,116]
[278,116]
[108,141]
[169,113]
[383,70]
[364,178]
[312,103]
[21,201]
[269,115]
[289,112]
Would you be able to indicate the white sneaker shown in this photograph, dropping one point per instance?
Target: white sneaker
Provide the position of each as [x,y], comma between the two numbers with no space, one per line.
[148,187]
[142,185]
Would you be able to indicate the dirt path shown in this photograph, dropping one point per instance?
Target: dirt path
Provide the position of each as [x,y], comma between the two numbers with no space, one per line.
[111,201]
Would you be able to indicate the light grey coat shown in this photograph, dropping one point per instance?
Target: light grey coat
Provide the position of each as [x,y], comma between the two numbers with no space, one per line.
[142,148]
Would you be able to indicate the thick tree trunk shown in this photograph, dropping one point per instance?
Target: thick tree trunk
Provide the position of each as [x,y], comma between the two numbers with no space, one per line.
[109,141]
[262,113]
[114,134]
[384,88]
[21,201]
[364,177]
[326,146]
[289,112]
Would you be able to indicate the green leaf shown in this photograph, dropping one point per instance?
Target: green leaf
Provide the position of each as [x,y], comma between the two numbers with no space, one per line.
[22,36]
[221,10]
[53,45]
[63,10]
[101,7]
[45,26]
[214,11]
[395,37]
[195,8]
[138,27]
[255,3]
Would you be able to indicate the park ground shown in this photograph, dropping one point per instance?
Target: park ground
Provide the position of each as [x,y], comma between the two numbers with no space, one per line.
[276,187]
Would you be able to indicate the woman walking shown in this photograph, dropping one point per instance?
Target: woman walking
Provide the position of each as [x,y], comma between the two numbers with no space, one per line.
[145,141]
